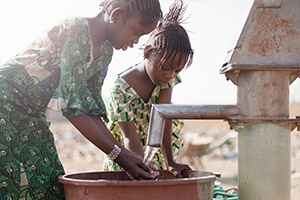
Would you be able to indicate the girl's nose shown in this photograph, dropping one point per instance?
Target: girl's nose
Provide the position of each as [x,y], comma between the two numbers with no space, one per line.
[170,75]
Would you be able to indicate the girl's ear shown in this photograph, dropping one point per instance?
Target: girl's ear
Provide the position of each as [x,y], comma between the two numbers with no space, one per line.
[115,15]
[147,51]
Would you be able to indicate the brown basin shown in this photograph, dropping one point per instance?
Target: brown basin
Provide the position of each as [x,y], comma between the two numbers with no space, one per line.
[117,185]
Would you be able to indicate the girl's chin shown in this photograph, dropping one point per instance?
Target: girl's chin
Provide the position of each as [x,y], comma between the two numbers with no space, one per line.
[160,83]
[118,47]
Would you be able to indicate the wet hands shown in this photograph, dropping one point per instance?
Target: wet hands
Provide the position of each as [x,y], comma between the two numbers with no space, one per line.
[134,166]
[153,172]
[177,169]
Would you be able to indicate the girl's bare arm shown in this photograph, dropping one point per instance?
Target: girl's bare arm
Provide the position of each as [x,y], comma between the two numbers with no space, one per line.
[175,168]
[94,130]
[131,139]
[165,98]
[98,134]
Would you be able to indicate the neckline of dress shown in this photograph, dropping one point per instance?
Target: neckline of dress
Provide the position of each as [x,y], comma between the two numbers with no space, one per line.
[135,93]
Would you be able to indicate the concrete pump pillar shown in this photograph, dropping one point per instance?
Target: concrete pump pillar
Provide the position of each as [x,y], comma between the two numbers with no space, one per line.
[263,147]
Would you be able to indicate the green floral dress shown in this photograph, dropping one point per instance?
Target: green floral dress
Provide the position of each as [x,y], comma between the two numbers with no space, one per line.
[126,105]
[56,71]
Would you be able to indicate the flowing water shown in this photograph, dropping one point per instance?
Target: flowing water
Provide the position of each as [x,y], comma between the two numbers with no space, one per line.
[149,153]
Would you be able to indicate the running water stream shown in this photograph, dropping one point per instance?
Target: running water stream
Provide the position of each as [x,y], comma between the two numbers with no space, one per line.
[149,153]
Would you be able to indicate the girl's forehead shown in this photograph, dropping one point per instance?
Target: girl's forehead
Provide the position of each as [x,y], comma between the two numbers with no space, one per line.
[148,28]
[173,59]
[135,21]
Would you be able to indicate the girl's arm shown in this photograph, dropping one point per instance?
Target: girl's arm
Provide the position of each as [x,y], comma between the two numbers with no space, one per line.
[175,168]
[165,98]
[131,139]
[94,130]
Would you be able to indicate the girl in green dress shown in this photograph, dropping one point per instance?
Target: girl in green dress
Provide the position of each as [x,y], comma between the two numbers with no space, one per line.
[167,52]
[64,70]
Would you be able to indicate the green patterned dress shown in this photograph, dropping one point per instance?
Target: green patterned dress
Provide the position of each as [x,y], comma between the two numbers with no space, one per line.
[126,105]
[56,71]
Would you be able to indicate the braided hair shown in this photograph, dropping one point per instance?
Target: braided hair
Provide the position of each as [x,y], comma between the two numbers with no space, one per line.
[170,37]
[149,10]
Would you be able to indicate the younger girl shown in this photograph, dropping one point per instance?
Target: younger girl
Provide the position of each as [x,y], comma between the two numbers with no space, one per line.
[167,52]
[64,70]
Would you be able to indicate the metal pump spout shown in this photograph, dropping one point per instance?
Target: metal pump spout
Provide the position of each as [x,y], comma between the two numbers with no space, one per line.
[162,112]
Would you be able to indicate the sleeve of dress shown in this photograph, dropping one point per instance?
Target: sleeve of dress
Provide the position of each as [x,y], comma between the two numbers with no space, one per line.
[94,85]
[172,83]
[73,96]
[120,108]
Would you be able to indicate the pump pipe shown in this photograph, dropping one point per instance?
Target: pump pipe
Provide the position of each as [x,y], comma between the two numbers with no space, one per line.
[162,112]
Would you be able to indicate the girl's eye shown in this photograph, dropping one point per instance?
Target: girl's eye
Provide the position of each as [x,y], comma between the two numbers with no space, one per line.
[137,34]
[168,67]
[162,67]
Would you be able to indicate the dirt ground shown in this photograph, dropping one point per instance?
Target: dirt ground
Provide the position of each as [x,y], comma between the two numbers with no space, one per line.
[79,155]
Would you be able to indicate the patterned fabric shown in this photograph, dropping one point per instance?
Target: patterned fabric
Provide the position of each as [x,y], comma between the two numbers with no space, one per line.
[57,71]
[126,105]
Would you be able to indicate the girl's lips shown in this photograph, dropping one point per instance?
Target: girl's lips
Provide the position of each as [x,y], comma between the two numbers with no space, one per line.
[124,47]
[163,82]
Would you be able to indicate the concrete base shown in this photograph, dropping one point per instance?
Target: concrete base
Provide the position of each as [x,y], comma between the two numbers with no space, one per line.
[264,162]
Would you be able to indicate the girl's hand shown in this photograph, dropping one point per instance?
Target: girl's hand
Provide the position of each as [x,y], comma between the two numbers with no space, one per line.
[151,166]
[153,169]
[134,166]
[177,168]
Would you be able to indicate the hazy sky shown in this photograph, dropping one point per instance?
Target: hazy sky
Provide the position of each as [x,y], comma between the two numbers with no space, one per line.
[211,25]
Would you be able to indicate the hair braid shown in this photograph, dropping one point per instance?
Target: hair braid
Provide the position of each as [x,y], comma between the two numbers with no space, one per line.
[176,12]
[170,35]
[149,10]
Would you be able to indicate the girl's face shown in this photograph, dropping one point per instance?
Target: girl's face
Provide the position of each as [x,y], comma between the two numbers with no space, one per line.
[161,75]
[124,34]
